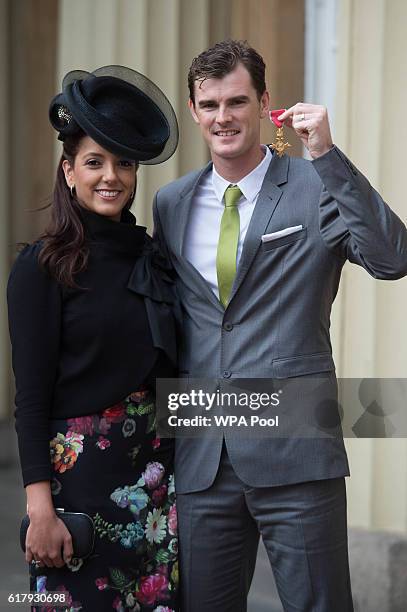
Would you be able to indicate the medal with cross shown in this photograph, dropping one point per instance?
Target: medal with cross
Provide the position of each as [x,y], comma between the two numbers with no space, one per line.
[279,146]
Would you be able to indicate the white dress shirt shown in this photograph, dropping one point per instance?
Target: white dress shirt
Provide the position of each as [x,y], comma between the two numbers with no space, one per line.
[202,232]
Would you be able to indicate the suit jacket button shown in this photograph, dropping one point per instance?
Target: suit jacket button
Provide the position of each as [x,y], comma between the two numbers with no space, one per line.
[228,326]
[227,374]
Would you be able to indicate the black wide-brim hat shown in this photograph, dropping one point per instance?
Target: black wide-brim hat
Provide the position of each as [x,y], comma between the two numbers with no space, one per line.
[121,109]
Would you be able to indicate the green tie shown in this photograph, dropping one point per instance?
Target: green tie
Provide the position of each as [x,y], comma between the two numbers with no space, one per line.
[227,245]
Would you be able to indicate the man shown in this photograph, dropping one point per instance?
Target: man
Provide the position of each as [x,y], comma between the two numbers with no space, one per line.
[260,307]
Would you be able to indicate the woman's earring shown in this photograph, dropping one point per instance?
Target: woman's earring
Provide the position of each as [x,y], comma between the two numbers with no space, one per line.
[72,188]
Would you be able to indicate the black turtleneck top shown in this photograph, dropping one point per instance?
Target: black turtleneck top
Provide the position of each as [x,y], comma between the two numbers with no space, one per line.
[78,351]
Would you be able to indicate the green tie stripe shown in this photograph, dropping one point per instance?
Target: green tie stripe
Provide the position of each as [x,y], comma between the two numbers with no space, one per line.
[228,243]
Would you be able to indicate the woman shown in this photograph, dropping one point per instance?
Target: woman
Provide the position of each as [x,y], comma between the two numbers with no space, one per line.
[91,328]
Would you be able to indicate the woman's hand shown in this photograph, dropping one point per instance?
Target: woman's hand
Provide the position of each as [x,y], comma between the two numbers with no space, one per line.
[48,540]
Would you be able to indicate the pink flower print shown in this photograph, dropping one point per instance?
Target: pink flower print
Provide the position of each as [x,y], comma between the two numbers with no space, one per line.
[153,474]
[172,520]
[152,588]
[156,443]
[118,605]
[158,495]
[82,425]
[104,426]
[101,583]
[103,443]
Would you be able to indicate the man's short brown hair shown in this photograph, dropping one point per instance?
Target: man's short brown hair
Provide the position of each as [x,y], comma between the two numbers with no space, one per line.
[222,58]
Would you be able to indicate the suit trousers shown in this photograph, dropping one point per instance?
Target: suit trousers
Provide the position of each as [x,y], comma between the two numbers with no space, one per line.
[304,530]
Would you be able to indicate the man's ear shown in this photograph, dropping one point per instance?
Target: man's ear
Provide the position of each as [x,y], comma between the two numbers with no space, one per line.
[264,105]
[191,107]
[68,171]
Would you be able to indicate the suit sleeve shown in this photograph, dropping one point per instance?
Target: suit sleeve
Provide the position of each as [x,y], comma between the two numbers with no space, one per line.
[34,307]
[158,234]
[159,238]
[356,223]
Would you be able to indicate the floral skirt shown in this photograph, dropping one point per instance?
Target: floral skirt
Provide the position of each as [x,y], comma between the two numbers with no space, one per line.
[112,466]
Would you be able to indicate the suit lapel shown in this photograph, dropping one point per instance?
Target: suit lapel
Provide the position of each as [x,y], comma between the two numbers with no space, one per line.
[182,209]
[266,204]
[181,215]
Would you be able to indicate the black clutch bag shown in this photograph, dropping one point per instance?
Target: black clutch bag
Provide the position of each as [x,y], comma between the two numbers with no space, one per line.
[79,525]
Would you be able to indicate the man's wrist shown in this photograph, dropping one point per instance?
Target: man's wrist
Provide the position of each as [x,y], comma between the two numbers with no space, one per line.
[316,155]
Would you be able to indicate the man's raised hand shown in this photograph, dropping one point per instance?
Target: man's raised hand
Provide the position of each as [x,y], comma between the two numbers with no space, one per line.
[311,123]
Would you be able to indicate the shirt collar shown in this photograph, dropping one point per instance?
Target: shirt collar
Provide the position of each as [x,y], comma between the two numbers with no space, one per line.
[249,185]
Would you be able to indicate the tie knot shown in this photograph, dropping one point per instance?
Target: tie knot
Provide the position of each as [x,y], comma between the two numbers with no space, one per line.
[232,195]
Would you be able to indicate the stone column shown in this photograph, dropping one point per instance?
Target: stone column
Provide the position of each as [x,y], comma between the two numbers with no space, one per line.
[371,100]
[27,72]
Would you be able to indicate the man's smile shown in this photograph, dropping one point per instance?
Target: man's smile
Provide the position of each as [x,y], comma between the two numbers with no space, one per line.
[225,133]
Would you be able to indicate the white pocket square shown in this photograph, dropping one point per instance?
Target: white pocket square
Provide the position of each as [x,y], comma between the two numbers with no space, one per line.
[284,232]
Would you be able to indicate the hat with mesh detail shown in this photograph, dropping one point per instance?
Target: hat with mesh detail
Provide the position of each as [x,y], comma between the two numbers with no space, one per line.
[121,109]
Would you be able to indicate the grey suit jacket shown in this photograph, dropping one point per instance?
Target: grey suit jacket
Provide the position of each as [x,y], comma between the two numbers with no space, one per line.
[277,322]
